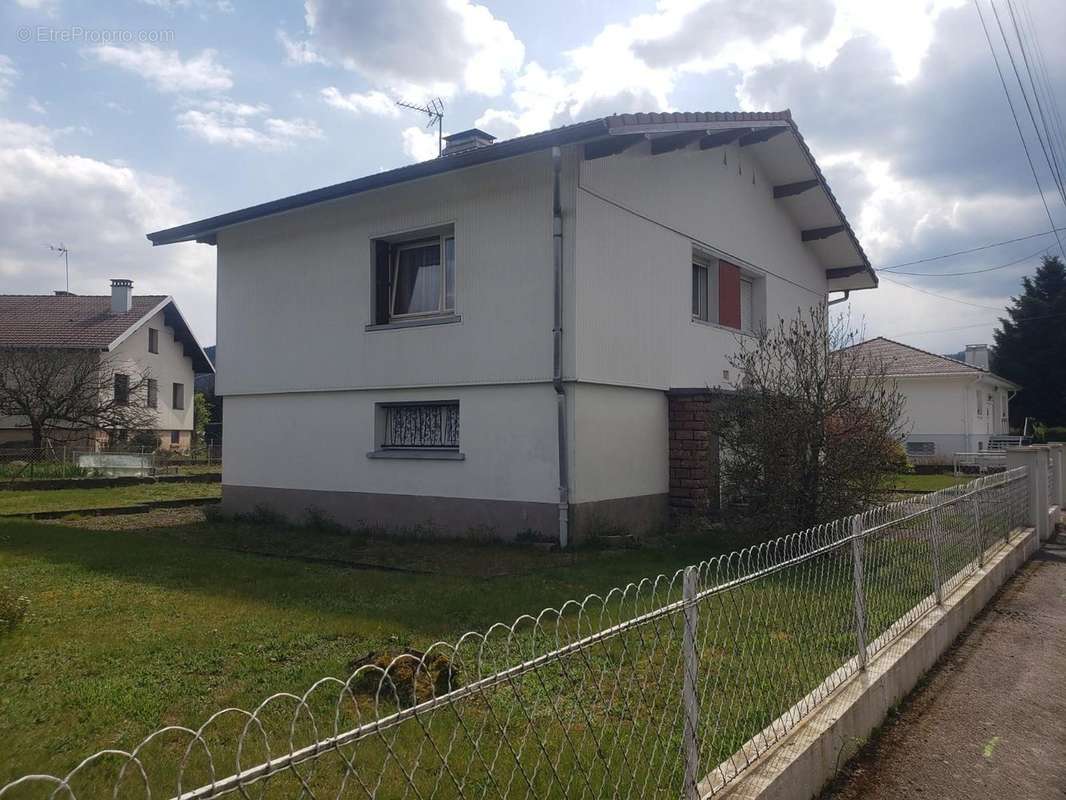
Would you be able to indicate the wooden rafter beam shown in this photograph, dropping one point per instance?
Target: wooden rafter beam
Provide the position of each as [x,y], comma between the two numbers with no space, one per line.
[814,234]
[761,135]
[675,141]
[844,272]
[789,189]
[712,140]
[611,146]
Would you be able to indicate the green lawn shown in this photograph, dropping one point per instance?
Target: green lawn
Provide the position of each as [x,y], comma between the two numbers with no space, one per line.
[128,631]
[18,501]
[927,483]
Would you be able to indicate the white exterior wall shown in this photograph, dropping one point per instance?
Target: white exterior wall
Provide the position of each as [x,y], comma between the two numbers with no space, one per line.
[943,410]
[633,265]
[620,443]
[320,440]
[296,291]
[301,374]
[168,367]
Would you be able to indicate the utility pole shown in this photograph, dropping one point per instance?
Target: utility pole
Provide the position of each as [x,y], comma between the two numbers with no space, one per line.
[434,109]
[61,248]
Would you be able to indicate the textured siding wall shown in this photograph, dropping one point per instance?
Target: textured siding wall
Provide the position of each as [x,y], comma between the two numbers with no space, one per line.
[638,219]
[295,291]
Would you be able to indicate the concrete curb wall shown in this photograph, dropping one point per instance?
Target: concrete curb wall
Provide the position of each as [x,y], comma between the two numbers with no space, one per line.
[97,483]
[802,763]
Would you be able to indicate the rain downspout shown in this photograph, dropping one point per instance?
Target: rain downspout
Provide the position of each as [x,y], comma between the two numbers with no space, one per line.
[557,352]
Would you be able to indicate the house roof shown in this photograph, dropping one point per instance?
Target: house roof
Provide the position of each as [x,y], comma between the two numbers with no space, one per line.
[785,159]
[903,360]
[86,322]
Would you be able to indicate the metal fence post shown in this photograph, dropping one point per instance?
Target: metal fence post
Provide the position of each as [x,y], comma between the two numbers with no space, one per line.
[858,592]
[938,587]
[689,697]
[979,544]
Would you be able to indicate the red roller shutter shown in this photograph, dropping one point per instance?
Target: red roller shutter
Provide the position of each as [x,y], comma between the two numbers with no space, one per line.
[728,294]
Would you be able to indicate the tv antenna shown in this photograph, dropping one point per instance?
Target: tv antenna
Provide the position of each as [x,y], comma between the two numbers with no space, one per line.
[434,109]
[60,249]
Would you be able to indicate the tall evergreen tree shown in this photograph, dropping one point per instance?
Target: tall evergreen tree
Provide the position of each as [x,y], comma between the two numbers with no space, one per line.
[1031,345]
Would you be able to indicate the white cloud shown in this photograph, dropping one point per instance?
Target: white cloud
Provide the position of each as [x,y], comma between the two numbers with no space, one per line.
[419,144]
[36,106]
[8,74]
[101,211]
[165,69]
[455,45]
[372,102]
[299,51]
[48,7]
[234,124]
[223,6]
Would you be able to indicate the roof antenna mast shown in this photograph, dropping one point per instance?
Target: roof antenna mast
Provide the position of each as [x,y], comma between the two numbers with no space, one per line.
[434,109]
[61,249]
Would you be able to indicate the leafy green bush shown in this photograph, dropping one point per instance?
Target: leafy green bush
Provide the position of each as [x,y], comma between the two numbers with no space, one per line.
[13,607]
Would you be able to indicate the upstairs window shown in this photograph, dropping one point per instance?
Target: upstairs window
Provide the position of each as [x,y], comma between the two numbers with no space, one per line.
[704,288]
[153,340]
[421,426]
[414,279]
[178,403]
[153,393]
[122,389]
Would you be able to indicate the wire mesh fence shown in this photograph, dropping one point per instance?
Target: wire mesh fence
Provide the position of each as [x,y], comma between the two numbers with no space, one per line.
[64,462]
[667,687]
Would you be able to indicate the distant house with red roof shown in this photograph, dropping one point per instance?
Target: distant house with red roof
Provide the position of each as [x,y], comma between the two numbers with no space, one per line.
[145,332]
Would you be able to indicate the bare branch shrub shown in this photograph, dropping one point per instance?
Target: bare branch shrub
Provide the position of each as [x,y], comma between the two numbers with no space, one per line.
[51,389]
[811,429]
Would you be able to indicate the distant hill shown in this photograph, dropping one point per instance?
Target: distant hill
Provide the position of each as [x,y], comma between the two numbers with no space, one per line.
[960,356]
[205,381]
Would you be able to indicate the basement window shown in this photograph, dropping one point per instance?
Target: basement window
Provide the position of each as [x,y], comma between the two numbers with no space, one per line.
[414,278]
[418,430]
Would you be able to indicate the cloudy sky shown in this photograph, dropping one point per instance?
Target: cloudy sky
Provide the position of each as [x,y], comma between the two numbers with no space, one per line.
[123,117]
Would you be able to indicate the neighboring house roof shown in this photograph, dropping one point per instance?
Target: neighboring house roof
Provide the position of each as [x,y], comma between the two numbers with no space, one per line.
[86,322]
[903,360]
[786,160]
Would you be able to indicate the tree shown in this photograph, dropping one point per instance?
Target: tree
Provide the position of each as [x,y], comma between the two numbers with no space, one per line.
[201,415]
[52,388]
[811,429]
[1030,343]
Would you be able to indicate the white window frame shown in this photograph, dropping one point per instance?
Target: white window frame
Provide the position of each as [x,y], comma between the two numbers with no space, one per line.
[442,299]
[708,304]
[747,324]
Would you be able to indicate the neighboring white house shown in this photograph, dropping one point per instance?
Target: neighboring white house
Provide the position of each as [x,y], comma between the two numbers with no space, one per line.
[139,334]
[491,339]
[952,406]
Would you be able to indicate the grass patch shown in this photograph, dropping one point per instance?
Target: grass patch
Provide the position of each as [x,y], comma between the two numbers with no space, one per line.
[130,631]
[18,501]
[926,483]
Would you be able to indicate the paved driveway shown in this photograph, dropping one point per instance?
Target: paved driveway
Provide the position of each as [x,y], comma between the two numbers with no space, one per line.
[990,720]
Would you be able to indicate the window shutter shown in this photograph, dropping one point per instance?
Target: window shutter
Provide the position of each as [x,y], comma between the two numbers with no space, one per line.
[381,283]
[729,295]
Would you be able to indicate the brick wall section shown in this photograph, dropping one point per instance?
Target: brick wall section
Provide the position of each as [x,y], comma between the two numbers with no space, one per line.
[693,454]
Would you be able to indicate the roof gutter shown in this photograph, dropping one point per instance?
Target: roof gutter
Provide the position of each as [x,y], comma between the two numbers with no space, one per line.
[557,351]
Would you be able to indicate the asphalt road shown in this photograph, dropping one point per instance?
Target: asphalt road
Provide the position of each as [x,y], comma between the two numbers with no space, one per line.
[990,720]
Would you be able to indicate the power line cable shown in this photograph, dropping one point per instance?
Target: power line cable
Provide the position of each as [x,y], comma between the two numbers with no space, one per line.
[1056,117]
[973,271]
[1017,123]
[965,252]
[1053,161]
[978,325]
[940,296]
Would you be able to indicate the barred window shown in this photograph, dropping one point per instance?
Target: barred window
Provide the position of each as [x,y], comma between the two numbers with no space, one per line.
[428,425]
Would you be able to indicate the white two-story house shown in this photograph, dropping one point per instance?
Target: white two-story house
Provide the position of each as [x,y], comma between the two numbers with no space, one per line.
[144,339]
[491,340]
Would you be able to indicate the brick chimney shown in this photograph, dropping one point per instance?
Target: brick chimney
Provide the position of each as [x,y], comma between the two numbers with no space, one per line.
[121,295]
